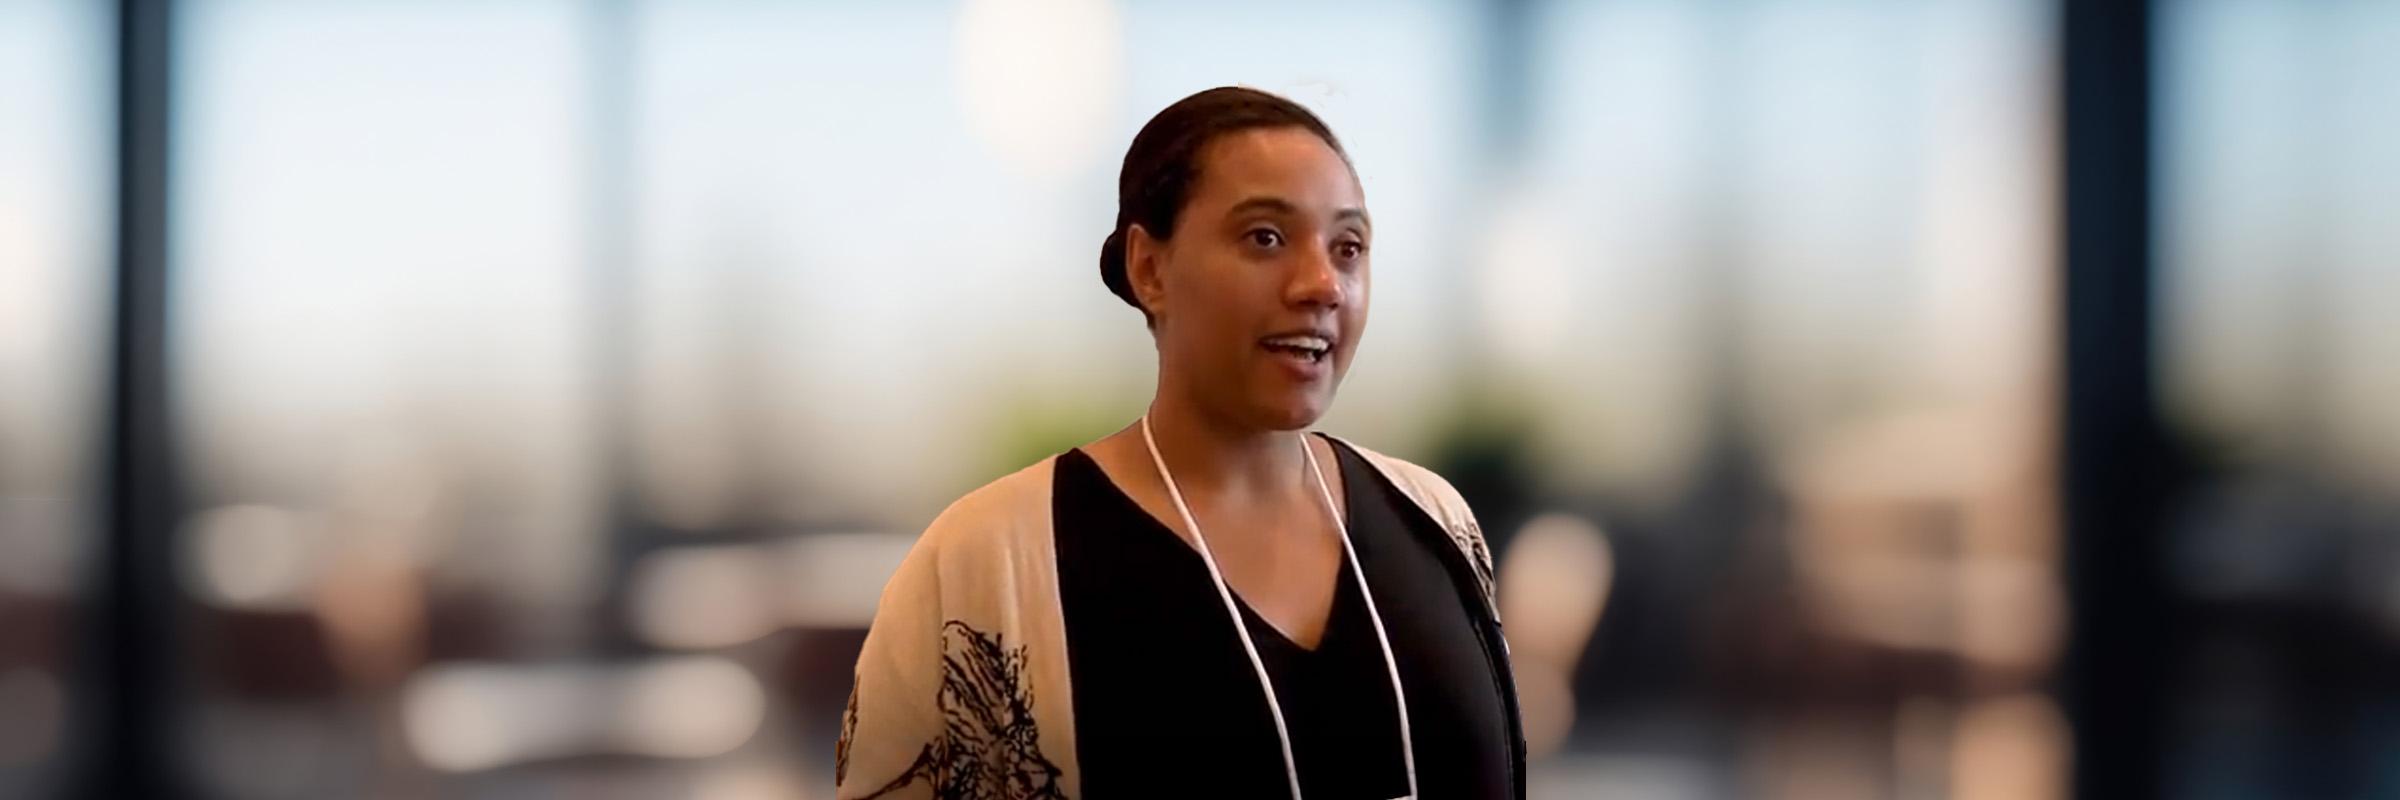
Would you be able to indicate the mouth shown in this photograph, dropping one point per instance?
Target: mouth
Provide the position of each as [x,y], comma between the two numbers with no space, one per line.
[1307,347]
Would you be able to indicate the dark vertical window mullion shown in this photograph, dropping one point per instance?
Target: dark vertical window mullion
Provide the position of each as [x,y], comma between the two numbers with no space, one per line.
[130,645]
[2113,467]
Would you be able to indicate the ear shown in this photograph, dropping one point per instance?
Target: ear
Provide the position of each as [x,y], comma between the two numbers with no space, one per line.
[1144,255]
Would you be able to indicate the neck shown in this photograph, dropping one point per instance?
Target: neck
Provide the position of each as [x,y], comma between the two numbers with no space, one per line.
[1216,458]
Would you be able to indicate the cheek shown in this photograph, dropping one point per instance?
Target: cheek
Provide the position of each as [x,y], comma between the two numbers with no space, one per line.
[1354,312]
[1209,299]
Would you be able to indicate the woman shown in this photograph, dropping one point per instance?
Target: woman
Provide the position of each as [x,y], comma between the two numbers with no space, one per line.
[1210,602]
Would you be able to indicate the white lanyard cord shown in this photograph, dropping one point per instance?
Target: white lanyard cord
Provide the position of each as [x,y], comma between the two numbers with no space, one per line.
[1391,666]
[1283,736]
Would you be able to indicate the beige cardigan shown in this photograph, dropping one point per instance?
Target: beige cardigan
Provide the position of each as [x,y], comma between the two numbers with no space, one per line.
[962,690]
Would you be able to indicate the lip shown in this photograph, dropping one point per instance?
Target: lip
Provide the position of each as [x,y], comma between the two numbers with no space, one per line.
[1333,338]
[1326,333]
[1300,369]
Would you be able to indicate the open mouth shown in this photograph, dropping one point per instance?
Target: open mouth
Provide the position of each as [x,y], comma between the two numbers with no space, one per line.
[1312,349]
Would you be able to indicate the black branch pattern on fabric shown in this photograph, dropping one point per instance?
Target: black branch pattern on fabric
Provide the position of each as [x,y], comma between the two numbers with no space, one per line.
[841,748]
[993,746]
[990,747]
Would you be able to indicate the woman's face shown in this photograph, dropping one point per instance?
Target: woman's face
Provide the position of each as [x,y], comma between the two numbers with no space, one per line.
[1261,294]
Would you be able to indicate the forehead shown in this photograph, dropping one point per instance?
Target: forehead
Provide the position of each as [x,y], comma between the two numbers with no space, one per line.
[1289,163]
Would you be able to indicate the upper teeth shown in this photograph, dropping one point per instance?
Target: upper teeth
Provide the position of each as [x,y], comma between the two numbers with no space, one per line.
[1317,343]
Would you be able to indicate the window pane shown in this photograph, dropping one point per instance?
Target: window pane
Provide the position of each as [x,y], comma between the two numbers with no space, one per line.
[1777,277]
[2278,181]
[55,218]
[383,316]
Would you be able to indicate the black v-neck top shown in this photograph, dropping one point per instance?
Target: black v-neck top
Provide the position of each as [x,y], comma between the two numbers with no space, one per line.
[1167,705]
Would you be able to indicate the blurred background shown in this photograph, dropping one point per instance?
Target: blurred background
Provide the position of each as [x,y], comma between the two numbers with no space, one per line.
[1865,398]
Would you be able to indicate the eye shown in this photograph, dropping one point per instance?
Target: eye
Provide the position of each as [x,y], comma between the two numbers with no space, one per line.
[1349,249]
[1267,238]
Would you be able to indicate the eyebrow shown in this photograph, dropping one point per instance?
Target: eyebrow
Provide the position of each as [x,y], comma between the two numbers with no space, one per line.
[1281,206]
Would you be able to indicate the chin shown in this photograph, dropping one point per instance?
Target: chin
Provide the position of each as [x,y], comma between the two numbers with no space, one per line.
[1292,414]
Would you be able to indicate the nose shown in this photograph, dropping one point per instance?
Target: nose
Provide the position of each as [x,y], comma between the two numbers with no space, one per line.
[1315,282]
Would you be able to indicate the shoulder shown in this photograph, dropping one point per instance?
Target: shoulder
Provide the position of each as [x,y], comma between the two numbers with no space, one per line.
[1442,502]
[1428,488]
[1017,500]
[991,548]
